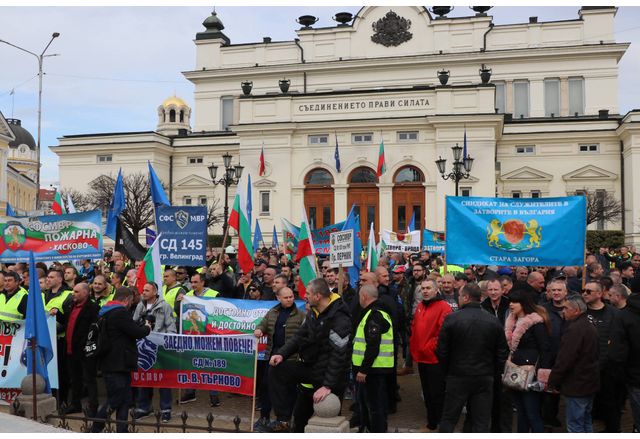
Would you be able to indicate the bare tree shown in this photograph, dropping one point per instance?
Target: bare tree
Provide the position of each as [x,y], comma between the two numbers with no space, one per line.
[602,206]
[80,200]
[214,216]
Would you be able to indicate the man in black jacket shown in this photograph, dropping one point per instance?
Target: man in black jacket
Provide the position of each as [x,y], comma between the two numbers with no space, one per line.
[120,358]
[323,344]
[471,348]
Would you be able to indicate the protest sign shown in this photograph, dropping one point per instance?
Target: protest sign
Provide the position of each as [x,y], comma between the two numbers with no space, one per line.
[341,249]
[433,241]
[214,362]
[401,242]
[183,231]
[320,236]
[520,231]
[51,237]
[206,315]
[12,361]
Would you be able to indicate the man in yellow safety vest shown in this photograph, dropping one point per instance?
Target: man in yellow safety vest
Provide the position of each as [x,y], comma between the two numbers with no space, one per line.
[13,300]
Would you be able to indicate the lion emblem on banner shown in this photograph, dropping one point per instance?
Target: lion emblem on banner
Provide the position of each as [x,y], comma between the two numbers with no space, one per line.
[14,235]
[512,234]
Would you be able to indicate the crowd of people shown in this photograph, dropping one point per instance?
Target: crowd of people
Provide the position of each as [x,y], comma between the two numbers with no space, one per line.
[483,340]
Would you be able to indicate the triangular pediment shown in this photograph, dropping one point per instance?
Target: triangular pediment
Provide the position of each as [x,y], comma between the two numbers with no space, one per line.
[527,173]
[5,129]
[194,181]
[264,183]
[589,172]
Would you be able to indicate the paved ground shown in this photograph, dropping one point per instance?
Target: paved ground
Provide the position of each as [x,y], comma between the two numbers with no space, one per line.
[410,417]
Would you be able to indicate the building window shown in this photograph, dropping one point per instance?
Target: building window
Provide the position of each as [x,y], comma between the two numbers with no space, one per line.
[265,203]
[581,192]
[593,147]
[319,139]
[187,201]
[525,149]
[465,191]
[501,100]
[551,97]
[105,158]
[520,99]
[536,194]
[362,138]
[576,96]
[407,136]
[194,160]
[516,194]
[227,112]
[202,200]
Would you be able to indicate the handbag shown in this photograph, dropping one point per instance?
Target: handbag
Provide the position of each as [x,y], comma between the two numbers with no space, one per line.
[518,377]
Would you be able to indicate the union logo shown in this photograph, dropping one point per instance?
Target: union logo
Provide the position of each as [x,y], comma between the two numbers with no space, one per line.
[511,235]
[14,235]
[401,237]
[182,219]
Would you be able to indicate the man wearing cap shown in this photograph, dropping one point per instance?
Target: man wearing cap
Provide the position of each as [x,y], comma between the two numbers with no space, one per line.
[259,266]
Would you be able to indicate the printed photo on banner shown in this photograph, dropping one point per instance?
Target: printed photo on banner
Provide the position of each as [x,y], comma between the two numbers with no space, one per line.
[51,237]
[183,231]
[521,231]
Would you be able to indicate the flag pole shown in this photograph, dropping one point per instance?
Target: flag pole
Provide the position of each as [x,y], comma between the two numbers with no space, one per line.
[255,380]
[33,374]
[444,259]
[584,255]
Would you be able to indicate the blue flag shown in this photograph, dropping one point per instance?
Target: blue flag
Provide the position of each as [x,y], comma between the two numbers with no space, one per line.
[433,241]
[150,236]
[274,238]
[118,204]
[336,155]
[249,204]
[36,330]
[353,223]
[412,223]
[10,211]
[257,237]
[157,192]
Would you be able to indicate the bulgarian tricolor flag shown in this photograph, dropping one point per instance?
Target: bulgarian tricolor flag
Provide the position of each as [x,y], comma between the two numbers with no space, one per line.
[306,256]
[239,220]
[372,251]
[150,270]
[58,205]
[261,170]
[382,166]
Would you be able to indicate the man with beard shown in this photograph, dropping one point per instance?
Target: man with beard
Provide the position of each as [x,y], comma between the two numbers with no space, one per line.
[102,291]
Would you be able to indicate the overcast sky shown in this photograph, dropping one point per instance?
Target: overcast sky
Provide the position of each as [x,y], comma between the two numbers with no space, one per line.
[117,64]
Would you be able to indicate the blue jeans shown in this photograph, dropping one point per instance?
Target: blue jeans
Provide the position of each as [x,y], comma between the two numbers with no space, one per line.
[529,405]
[634,399]
[578,412]
[145,395]
[118,387]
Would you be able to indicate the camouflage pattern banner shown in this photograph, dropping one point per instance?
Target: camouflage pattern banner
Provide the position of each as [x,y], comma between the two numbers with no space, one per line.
[516,231]
[208,315]
[224,363]
[51,237]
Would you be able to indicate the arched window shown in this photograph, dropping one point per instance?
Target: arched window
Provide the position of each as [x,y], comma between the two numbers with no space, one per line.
[409,174]
[181,116]
[172,116]
[363,175]
[319,176]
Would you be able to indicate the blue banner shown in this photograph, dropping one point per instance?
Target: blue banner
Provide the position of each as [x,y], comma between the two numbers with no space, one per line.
[184,235]
[433,241]
[516,231]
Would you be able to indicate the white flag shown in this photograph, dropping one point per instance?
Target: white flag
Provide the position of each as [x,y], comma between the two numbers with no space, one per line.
[70,207]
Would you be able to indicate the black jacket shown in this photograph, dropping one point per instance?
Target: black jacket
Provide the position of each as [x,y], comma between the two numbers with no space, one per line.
[603,325]
[624,346]
[122,331]
[374,328]
[223,284]
[87,316]
[534,347]
[324,344]
[472,343]
[501,312]
[558,326]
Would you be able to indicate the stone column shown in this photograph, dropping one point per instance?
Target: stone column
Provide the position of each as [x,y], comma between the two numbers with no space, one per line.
[431,209]
[340,208]
[385,204]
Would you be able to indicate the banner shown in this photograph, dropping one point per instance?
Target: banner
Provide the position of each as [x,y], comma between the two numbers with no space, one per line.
[224,363]
[320,236]
[204,315]
[433,241]
[51,237]
[12,367]
[516,231]
[401,242]
[184,235]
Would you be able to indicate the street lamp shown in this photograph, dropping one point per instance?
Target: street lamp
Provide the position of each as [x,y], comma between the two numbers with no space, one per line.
[40,59]
[231,176]
[461,166]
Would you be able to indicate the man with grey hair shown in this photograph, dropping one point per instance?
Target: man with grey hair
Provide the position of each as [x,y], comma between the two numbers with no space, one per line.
[576,370]
[618,295]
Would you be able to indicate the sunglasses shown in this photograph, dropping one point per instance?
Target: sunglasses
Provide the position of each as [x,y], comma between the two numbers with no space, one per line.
[587,291]
[253,289]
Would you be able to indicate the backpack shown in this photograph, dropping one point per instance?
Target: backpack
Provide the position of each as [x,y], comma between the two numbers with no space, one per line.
[98,343]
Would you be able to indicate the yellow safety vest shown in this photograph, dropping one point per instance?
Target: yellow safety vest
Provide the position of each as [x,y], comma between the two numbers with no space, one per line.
[452,269]
[207,293]
[9,308]
[104,300]
[385,355]
[57,301]
[170,295]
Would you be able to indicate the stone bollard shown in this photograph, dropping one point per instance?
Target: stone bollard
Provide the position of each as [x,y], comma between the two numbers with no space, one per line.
[326,419]
[24,403]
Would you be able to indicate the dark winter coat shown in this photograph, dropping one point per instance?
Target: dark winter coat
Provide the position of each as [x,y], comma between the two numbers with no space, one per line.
[603,325]
[122,331]
[501,312]
[576,372]
[374,328]
[558,326]
[624,346]
[268,323]
[533,346]
[87,316]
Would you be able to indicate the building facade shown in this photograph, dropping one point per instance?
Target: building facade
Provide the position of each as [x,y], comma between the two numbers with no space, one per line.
[536,101]
[18,166]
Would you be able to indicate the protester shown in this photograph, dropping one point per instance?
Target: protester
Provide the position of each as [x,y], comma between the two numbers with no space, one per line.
[575,373]
[472,350]
[102,291]
[220,281]
[171,288]
[13,298]
[618,296]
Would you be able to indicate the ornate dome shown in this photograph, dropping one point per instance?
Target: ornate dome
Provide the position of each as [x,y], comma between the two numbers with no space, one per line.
[212,22]
[23,137]
[173,115]
[174,100]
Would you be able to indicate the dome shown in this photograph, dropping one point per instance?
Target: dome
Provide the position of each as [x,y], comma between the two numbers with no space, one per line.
[174,100]
[23,137]
[212,22]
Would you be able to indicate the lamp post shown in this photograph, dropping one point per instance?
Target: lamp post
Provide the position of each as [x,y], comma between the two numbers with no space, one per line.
[232,174]
[40,59]
[461,166]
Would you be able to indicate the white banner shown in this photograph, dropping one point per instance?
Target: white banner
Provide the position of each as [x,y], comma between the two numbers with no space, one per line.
[401,242]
